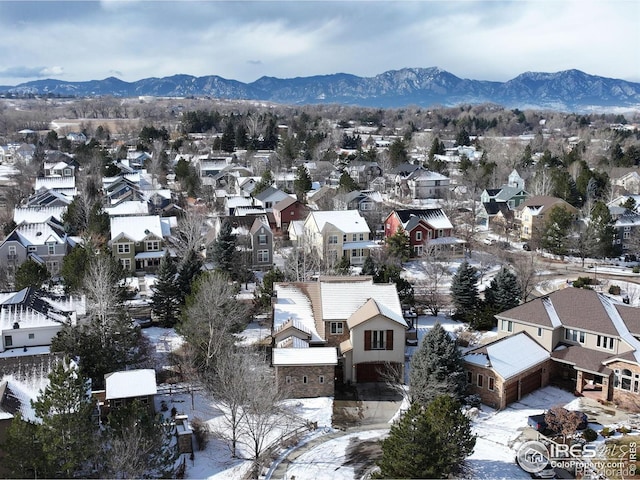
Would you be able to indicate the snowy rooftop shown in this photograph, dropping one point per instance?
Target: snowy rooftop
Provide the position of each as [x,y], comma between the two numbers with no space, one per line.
[128,208]
[347,221]
[37,214]
[292,304]
[55,183]
[512,355]
[341,300]
[139,227]
[305,356]
[38,234]
[130,383]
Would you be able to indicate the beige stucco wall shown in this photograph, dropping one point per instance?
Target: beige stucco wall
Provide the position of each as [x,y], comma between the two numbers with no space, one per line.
[378,323]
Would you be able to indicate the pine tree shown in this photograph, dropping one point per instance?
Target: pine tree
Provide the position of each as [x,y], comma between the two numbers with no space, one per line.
[398,245]
[31,274]
[464,292]
[67,431]
[369,266]
[24,457]
[188,271]
[604,230]
[437,368]
[427,442]
[166,298]
[224,249]
[302,184]
[503,292]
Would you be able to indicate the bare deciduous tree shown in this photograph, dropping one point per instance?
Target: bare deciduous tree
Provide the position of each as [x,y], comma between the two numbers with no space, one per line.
[525,268]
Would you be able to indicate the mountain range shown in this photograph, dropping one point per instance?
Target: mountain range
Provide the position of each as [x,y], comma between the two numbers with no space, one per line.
[569,90]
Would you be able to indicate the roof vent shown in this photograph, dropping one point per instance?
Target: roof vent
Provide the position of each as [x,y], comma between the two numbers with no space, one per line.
[38,234]
[146,231]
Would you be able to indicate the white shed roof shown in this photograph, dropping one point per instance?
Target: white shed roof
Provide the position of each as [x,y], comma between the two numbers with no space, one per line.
[130,383]
[305,356]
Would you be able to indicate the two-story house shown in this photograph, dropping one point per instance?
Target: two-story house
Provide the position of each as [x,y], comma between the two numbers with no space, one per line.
[336,234]
[364,201]
[531,214]
[63,185]
[46,243]
[254,239]
[138,242]
[337,327]
[269,197]
[288,210]
[500,202]
[576,337]
[423,227]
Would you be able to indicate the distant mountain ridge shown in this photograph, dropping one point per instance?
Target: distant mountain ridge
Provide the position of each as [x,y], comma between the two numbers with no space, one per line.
[569,90]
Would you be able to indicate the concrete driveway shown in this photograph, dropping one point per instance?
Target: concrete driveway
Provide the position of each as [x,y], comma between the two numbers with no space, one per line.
[365,404]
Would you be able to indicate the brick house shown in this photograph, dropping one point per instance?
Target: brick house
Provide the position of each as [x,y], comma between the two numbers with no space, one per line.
[504,371]
[346,328]
[592,342]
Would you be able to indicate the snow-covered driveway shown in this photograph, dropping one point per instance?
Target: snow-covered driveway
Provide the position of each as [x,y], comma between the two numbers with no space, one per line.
[498,431]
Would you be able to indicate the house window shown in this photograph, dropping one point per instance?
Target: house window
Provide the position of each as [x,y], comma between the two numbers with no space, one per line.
[417,250]
[507,326]
[469,377]
[480,380]
[336,328]
[418,236]
[32,248]
[263,256]
[262,239]
[361,237]
[377,339]
[305,379]
[491,385]
[321,379]
[51,248]
[626,235]
[12,250]
[354,237]
[539,331]
[287,379]
[605,342]
[574,335]
[623,379]
[126,263]
[153,245]
[8,341]
[124,248]
[32,336]
[357,252]
[333,239]
[344,238]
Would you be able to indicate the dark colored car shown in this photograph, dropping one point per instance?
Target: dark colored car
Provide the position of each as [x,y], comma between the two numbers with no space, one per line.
[539,424]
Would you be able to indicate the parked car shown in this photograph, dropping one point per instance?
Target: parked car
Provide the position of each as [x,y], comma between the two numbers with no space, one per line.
[143,322]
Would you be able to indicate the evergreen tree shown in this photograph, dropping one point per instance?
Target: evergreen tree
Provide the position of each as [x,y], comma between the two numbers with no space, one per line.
[436,368]
[398,245]
[264,292]
[437,148]
[31,274]
[462,138]
[74,267]
[555,230]
[188,271]
[224,249]
[265,182]
[369,266]
[398,152]
[302,184]
[228,140]
[464,292]
[67,431]
[503,292]
[165,303]
[347,183]
[427,442]
[24,457]
[604,230]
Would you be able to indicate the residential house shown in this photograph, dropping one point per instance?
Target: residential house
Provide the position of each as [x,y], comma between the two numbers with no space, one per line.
[287,210]
[532,212]
[269,197]
[125,387]
[336,234]
[254,239]
[128,208]
[138,242]
[626,180]
[59,169]
[505,370]
[421,184]
[346,328]
[46,243]
[364,201]
[425,228]
[48,198]
[37,214]
[626,222]
[500,201]
[210,169]
[363,172]
[496,216]
[321,199]
[63,185]
[591,342]
[31,318]
[24,152]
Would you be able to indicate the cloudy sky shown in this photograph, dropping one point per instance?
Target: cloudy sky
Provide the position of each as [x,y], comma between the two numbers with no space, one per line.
[244,40]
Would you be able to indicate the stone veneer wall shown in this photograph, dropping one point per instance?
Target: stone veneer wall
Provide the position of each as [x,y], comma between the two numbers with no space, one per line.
[313,388]
[625,399]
